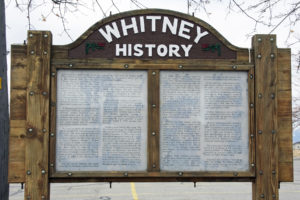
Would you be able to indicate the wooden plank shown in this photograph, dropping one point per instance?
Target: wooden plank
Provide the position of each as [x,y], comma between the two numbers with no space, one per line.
[37,138]
[18,67]
[153,121]
[265,54]
[18,104]
[284,98]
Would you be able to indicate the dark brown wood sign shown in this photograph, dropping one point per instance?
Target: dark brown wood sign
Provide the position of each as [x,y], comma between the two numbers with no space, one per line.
[150,95]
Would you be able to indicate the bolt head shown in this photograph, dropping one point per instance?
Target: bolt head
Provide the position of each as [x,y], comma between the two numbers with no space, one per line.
[260,95]
[259,131]
[30,35]
[259,56]
[252,165]
[153,73]
[53,74]
[262,196]
[153,166]
[30,130]
[180,66]
[51,165]
[259,39]
[273,131]
[44,93]
[45,52]
[180,173]
[52,134]
[251,105]
[272,55]
[125,174]
[45,35]
[28,172]
[271,39]
[70,65]
[251,76]
[44,130]
[153,133]
[32,52]
[31,93]
[234,67]
[153,105]
[70,174]
[43,171]
[126,66]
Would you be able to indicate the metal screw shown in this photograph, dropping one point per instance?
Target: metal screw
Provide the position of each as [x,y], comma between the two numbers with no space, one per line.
[126,66]
[153,166]
[273,131]
[262,196]
[235,173]
[28,172]
[44,93]
[180,173]
[45,52]
[153,133]
[260,172]
[53,74]
[43,197]
[259,39]
[30,130]
[273,96]
[52,134]
[274,196]
[31,93]
[30,35]
[274,172]
[251,105]
[153,105]
[125,174]
[51,165]
[43,171]
[32,52]
[234,67]
[251,76]
[153,73]
[272,55]
[259,56]
[70,174]
[271,39]
[180,66]
[70,65]
[44,130]
[28,197]
[45,35]
[252,136]
[252,165]
[259,131]
[260,95]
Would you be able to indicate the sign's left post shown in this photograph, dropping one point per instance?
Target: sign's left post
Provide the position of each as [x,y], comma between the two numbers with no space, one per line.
[37,112]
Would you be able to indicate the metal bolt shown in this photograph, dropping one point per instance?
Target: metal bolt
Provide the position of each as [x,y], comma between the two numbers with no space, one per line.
[30,130]
[30,35]
[43,197]
[51,165]
[44,93]
[235,173]
[252,136]
[272,96]
[45,52]
[274,196]
[259,56]
[44,130]
[153,133]
[251,76]
[274,172]
[234,67]
[32,52]
[259,39]
[28,197]
[28,172]
[262,196]
[53,103]
[70,174]
[153,166]
[153,73]
[126,66]
[272,55]
[45,35]
[70,65]
[180,66]
[273,131]
[53,74]
[260,172]
[251,105]
[31,93]
[52,134]
[153,105]
[125,174]
[260,95]
[252,165]
[180,173]
[271,39]
[259,131]
[43,171]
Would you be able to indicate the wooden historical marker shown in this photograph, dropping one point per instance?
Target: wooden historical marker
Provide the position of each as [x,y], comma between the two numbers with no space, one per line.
[150,95]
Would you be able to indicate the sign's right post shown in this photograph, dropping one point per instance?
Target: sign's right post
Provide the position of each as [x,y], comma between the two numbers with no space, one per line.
[266,182]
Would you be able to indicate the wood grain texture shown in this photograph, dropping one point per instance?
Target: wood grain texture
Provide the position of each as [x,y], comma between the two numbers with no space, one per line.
[37,108]
[266,182]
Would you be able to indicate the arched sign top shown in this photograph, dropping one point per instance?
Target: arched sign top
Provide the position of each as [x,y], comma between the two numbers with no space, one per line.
[152,34]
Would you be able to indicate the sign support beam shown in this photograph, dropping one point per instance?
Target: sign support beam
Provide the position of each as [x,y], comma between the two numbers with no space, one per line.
[37,112]
[265,185]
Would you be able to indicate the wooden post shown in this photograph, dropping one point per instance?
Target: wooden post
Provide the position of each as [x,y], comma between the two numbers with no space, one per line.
[37,124]
[265,185]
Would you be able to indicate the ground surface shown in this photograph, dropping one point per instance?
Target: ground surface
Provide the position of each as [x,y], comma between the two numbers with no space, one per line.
[161,191]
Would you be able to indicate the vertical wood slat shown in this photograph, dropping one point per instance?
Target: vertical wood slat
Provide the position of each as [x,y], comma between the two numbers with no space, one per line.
[265,185]
[153,121]
[37,120]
